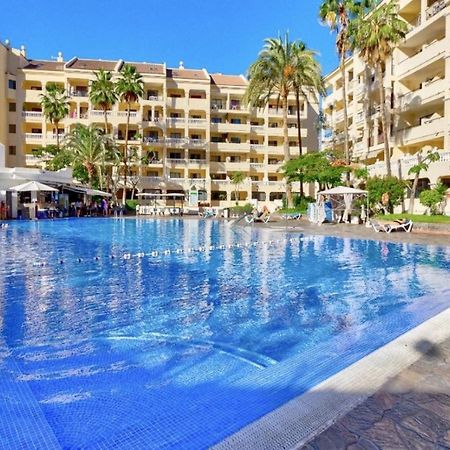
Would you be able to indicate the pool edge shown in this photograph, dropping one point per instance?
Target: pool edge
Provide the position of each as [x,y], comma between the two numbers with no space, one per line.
[296,422]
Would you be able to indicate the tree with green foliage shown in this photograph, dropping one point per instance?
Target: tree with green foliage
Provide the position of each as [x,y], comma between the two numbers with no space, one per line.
[272,74]
[314,168]
[307,82]
[237,179]
[432,198]
[422,164]
[103,93]
[88,147]
[385,193]
[375,37]
[338,14]
[55,106]
[129,88]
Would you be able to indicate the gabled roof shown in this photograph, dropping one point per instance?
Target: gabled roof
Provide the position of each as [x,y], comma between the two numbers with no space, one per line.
[36,64]
[187,74]
[148,67]
[91,64]
[228,80]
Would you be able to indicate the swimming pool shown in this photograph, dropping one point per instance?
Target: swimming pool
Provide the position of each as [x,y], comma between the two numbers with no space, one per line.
[108,340]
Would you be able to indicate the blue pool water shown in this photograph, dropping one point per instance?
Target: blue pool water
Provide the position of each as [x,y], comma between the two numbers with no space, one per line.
[103,345]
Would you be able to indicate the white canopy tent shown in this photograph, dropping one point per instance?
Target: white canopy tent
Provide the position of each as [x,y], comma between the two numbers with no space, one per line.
[32,186]
[342,197]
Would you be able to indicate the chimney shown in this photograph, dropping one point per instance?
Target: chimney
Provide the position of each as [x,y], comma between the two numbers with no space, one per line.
[60,58]
[181,66]
[23,51]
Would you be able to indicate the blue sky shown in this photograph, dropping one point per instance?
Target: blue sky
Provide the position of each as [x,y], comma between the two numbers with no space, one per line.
[222,36]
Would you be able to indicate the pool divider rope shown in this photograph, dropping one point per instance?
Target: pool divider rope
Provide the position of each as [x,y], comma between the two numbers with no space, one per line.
[178,251]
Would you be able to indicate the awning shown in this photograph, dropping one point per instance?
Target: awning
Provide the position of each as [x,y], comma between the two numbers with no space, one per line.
[341,190]
[32,186]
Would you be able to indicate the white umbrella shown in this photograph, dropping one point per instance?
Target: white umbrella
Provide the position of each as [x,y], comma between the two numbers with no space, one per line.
[32,186]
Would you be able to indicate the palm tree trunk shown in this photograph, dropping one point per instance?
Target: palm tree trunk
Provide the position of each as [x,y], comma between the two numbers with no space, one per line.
[287,153]
[412,195]
[56,123]
[387,152]
[125,156]
[299,132]
[105,112]
[344,94]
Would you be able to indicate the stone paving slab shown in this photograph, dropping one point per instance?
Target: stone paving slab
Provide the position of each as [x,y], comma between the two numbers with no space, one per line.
[410,411]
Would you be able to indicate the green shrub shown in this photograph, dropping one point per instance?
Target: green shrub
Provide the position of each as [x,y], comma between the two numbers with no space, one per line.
[392,186]
[246,209]
[431,198]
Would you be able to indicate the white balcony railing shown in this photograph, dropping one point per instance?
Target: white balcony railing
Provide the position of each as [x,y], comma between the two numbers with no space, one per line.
[175,161]
[175,141]
[34,136]
[175,121]
[428,129]
[427,54]
[256,147]
[198,122]
[133,114]
[197,161]
[420,95]
[435,8]
[32,114]
[257,128]
[196,142]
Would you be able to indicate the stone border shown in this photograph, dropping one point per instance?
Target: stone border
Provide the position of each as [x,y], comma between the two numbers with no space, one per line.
[299,420]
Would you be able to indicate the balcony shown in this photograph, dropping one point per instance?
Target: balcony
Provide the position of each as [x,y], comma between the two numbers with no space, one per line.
[197,162]
[175,122]
[359,148]
[197,123]
[34,136]
[427,55]
[176,102]
[79,93]
[197,143]
[257,147]
[218,106]
[258,129]
[134,115]
[257,166]
[421,96]
[154,98]
[33,95]
[35,160]
[230,146]
[175,142]
[175,162]
[279,112]
[52,137]
[96,114]
[435,8]
[429,129]
[155,141]
[198,103]
[32,114]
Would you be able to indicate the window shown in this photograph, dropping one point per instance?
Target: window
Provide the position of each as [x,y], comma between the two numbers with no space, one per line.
[235,159]
[12,149]
[273,143]
[260,196]
[12,107]
[175,155]
[175,175]
[152,173]
[218,195]
[215,158]
[216,120]
[36,130]
[12,128]
[235,140]
[236,121]
[195,136]
[11,84]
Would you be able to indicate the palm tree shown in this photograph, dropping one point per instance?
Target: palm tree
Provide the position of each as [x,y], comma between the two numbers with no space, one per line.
[375,37]
[55,106]
[272,74]
[103,93]
[130,88]
[88,147]
[338,14]
[307,82]
[237,179]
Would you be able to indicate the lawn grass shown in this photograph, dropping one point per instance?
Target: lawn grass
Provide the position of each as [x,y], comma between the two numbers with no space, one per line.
[291,211]
[418,218]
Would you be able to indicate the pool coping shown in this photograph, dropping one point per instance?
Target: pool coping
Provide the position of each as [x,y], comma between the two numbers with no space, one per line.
[298,421]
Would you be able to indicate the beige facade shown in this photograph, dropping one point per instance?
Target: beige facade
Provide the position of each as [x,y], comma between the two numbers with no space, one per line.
[417,80]
[193,123]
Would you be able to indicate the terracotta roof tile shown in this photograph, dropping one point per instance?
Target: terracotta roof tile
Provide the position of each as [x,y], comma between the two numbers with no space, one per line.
[35,64]
[148,68]
[188,74]
[228,80]
[92,64]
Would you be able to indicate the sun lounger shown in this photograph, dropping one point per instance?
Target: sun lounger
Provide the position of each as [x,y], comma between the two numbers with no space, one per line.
[292,216]
[389,227]
[252,218]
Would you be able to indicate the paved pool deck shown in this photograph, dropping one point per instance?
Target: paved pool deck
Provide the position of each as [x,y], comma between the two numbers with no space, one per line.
[410,411]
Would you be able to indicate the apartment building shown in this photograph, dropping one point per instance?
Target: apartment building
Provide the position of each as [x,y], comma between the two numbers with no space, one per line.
[417,83]
[192,125]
